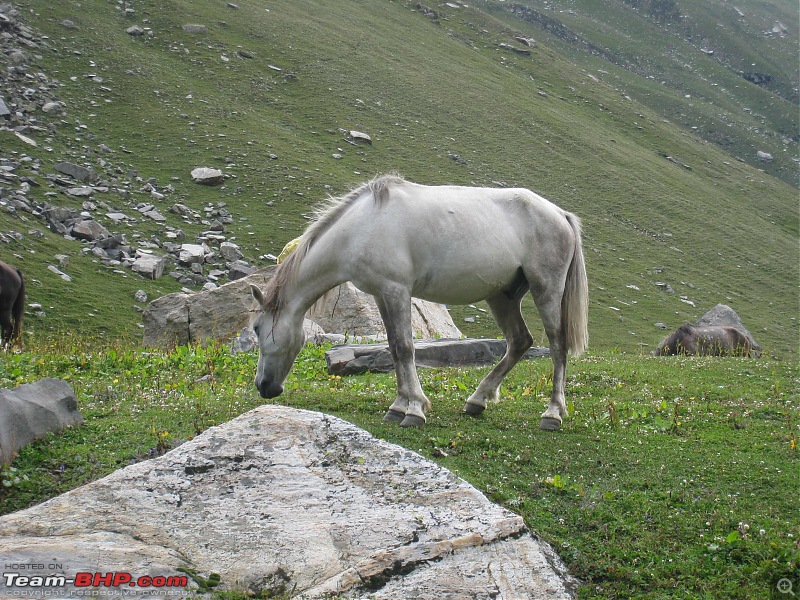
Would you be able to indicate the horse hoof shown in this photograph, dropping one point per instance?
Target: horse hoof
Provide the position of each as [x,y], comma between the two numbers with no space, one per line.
[550,424]
[474,409]
[413,421]
[393,416]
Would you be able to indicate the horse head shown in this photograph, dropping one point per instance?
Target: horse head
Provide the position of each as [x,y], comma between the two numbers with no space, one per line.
[279,343]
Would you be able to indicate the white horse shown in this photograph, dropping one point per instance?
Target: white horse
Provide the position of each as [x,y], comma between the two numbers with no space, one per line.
[454,245]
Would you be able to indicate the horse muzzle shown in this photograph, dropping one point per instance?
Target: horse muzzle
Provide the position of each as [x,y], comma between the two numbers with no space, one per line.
[269,389]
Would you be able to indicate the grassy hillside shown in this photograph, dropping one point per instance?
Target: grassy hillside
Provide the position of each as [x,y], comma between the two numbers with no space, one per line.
[266,92]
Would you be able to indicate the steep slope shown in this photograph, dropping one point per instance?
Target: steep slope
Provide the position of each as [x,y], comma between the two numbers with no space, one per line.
[268,91]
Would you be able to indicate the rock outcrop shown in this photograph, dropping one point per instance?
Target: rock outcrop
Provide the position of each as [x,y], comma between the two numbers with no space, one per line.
[217,314]
[222,312]
[295,504]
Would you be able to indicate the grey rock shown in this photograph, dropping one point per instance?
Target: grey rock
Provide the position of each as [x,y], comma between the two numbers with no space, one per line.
[84,174]
[722,314]
[4,112]
[140,296]
[240,269]
[150,266]
[191,253]
[134,30]
[181,209]
[348,310]
[61,274]
[89,231]
[58,214]
[207,176]
[230,251]
[81,192]
[354,359]
[283,502]
[764,156]
[53,108]
[358,136]
[665,286]
[31,411]
[193,28]
[219,314]
[155,215]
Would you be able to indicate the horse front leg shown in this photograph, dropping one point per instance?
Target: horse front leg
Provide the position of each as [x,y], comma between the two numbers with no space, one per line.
[411,403]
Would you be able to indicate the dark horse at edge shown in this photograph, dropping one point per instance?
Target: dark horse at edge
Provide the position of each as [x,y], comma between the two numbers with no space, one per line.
[12,305]
[711,340]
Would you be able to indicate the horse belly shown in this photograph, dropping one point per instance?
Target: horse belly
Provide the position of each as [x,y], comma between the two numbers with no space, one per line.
[463,283]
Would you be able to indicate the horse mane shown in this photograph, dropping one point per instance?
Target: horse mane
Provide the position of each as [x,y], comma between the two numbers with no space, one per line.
[324,217]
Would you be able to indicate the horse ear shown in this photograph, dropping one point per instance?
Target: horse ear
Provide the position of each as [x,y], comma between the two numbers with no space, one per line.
[257,294]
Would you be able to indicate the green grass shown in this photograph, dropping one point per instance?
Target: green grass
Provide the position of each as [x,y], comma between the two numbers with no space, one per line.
[672,478]
[724,230]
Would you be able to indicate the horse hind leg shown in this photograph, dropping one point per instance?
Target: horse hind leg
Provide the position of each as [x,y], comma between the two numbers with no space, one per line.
[507,313]
[549,305]
[7,328]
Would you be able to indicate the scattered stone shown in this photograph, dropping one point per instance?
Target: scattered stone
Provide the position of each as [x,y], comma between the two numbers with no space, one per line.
[665,287]
[53,108]
[155,215]
[358,136]
[764,156]
[135,31]
[140,296]
[515,49]
[284,502]
[84,174]
[191,253]
[207,176]
[89,231]
[240,269]
[355,359]
[60,273]
[150,266]
[82,191]
[31,411]
[230,251]
[194,28]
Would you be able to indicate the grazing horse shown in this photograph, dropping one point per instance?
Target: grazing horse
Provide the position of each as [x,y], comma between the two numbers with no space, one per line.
[12,305]
[453,245]
[712,340]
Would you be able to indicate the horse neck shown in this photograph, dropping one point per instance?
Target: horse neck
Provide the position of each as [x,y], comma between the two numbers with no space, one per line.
[318,272]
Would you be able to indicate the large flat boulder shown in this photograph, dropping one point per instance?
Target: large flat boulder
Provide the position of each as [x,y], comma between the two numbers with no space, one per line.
[348,310]
[29,412]
[354,359]
[289,503]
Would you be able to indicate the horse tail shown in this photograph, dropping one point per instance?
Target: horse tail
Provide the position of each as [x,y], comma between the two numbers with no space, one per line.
[17,310]
[575,301]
